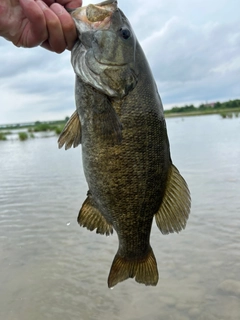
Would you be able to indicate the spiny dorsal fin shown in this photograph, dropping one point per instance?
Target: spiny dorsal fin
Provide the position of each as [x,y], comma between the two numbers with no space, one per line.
[175,208]
[71,134]
[91,218]
[143,270]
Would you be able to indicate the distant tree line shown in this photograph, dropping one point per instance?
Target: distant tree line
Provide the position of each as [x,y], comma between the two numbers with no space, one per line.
[218,106]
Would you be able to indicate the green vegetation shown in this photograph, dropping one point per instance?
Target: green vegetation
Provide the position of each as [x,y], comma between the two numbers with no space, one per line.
[53,126]
[44,127]
[229,115]
[37,126]
[59,129]
[31,135]
[3,136]
[22,136]
[226,109]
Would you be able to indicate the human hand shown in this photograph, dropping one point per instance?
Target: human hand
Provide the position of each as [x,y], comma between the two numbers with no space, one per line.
[29,23]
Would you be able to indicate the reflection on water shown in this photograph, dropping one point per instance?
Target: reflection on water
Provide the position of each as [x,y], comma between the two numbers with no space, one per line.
[53,269]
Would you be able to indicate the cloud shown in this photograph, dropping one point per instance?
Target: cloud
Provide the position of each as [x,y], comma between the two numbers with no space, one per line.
[196,62]
[35,84]
[192,47]
[186,52]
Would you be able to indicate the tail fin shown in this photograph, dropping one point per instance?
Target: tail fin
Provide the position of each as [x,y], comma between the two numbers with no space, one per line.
[144,270]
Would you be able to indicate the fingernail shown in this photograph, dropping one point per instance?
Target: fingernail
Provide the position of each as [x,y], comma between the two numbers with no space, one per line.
[58,9]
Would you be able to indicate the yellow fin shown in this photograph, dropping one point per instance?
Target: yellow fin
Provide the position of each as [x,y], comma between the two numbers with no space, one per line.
[175,208]
[71,134]
[143,270]
[91,218]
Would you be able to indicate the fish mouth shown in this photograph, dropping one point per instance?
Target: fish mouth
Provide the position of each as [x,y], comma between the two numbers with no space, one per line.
[94,17]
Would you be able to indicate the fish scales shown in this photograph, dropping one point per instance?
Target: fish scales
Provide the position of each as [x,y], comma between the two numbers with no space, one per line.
[125,149]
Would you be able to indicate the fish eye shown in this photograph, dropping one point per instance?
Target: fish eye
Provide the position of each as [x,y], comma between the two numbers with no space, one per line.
[125,33]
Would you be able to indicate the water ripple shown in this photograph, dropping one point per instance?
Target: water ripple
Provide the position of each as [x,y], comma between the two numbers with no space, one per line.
[53,269]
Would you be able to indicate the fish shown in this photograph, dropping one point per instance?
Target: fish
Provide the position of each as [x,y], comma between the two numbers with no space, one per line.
[119,123]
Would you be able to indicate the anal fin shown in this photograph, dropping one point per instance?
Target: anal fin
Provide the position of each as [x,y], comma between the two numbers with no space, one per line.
[144,270]
[175,208]
[91,218]
[71,134]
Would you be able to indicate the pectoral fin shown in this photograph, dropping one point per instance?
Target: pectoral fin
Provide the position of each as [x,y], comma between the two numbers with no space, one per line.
[175,208]
[91,218]
[71,134]
[107,123]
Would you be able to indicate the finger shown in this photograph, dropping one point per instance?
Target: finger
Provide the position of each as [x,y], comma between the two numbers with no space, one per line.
[71,4]
[68,26]
[37,31]
[47,46]
[48,2]
[56,37]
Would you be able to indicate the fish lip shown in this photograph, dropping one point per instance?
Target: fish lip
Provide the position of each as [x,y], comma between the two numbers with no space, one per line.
[80,16]
[104,3]
[86,25]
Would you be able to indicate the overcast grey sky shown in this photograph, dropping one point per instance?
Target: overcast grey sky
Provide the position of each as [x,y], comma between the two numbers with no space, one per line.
[192,46]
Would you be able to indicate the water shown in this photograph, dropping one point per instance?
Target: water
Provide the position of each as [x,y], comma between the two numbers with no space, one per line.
[50,268]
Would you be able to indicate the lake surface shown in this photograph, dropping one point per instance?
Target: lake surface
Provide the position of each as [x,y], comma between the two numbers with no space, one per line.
[50,268]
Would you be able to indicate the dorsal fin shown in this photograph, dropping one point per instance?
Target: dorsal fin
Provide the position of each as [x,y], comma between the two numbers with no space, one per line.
[173,214]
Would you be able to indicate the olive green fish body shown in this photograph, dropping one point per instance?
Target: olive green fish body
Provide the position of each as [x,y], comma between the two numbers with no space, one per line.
[126,157]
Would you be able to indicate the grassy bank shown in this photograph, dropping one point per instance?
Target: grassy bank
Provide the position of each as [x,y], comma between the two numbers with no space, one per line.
[44,127]
[225,109]
[225,113]
[27,131]
[37,126]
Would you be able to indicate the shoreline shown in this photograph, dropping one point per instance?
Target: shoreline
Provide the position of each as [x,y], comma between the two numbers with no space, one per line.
[59,124]
[222,112]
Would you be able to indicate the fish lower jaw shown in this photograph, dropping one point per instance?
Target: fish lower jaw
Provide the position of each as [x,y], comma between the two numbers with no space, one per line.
[94,17]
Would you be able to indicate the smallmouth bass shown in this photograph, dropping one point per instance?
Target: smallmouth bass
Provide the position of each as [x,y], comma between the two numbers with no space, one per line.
[120,124]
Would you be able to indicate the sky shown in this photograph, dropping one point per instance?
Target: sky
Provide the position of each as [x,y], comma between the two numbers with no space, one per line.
[193,48]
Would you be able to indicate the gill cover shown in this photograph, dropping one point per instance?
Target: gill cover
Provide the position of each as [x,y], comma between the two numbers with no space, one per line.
[104,55]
